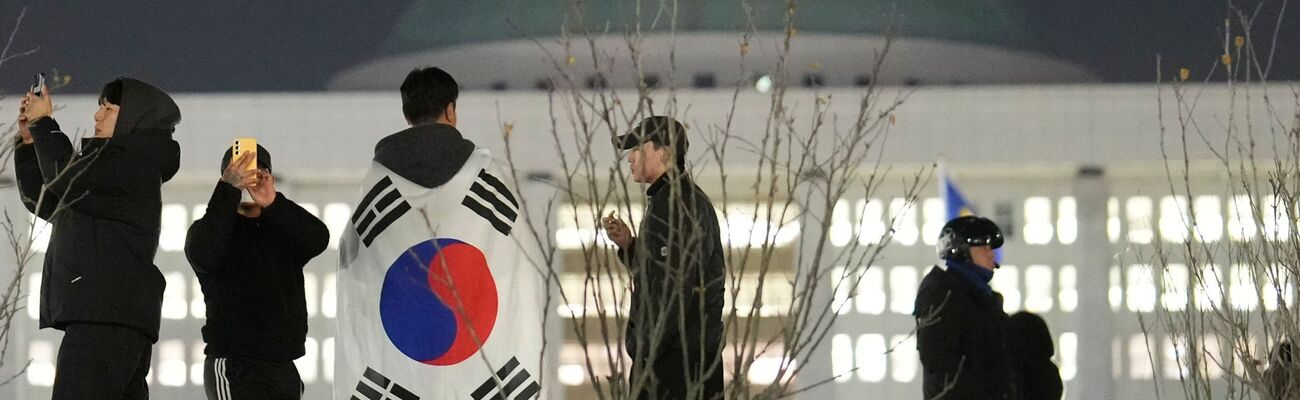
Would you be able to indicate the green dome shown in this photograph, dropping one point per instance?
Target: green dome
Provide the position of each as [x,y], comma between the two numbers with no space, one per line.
[437,24]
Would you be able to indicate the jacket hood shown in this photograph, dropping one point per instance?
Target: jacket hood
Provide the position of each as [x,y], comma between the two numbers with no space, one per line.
[145,111]
[1030,336]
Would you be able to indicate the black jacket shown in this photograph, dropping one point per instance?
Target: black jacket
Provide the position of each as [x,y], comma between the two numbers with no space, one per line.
[960,326]
[1031,345]
[677,270]
[250,270]
[427,155]
[99,264]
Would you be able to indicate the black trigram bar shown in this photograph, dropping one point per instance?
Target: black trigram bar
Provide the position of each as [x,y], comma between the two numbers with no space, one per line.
[508,387]
[373,215]
[371,379]
[496,205]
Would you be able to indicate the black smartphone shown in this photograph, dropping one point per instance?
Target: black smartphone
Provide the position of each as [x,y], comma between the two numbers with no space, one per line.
[38,85]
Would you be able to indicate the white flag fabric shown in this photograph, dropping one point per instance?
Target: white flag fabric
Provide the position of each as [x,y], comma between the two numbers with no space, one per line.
[434,298]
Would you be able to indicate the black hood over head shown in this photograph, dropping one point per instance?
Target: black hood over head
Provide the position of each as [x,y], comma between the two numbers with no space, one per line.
[1030,337]
[145,111]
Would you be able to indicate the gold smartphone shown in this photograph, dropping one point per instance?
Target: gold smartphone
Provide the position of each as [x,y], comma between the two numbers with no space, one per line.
[245,145]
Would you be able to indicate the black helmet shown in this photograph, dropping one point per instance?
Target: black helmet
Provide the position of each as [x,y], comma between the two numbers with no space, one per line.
[962,233]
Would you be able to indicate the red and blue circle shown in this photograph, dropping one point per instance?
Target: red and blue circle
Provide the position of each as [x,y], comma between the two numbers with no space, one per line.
[439,301]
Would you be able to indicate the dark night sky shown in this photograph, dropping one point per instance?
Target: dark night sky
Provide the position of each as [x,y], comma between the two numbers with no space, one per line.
[237,46]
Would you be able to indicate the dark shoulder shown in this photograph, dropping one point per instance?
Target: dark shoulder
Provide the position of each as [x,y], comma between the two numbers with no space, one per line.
[937,287]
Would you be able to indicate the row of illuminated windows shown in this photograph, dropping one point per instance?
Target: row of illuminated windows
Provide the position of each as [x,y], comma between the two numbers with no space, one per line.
[183,297]
[741,224]
[873,357]
[1175,287]
[176,219]
[1136,219]
[583,296]
[578,362]
[1169,356]
[172,368]
[870,291]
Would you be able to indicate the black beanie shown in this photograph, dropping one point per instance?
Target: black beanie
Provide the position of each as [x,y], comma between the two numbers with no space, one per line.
[263,158]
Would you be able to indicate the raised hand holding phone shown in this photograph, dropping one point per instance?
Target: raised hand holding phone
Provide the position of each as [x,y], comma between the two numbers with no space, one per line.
[238,173]
[263,193]
[37,104]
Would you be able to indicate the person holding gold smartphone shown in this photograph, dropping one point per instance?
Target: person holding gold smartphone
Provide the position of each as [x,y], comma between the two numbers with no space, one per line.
[249,258]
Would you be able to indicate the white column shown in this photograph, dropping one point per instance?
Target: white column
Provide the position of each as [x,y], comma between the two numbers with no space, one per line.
[1094,320]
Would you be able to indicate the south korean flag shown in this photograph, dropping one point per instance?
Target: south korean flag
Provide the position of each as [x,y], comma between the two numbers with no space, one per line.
[435,298]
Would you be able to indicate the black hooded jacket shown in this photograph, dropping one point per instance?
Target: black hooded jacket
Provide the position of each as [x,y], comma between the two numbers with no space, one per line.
[104,203]
[962,338]
[1032,349]
[677,266]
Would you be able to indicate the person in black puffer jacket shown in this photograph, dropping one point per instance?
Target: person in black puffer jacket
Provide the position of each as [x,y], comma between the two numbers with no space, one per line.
[1031,344]
[961,328]
[104,201]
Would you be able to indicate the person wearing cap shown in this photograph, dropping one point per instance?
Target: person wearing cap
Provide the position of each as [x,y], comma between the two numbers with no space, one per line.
[962,331]
[249,258]
[674,330]
[99,284]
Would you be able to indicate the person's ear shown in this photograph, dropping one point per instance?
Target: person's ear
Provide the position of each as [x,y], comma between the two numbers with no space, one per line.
[450,112]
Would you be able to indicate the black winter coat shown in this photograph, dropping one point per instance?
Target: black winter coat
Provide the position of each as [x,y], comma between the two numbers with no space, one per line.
[250,270]
[1031,345]
[99,263]
[677,268]
[959,327]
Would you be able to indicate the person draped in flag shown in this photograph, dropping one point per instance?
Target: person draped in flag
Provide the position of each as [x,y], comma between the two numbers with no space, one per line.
[249,258]
[962,331]
[674,331]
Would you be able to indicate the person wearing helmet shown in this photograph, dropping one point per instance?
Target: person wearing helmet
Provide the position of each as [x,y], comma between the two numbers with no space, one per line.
[961,327]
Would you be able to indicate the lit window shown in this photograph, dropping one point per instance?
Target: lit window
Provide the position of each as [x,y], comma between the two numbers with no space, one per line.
[1139,219]
[935,215]
[40,232]
[310,208]
[1209,218]
[1174,363]
[34,295]
[327,357]
[171,363]
[765,369]
[842,357]
[1277,220]
[571,374]
[1007,281]
[904,358]
[1141,288]
[840,230]
[752,224]
[1278,279]
[1116,292]
[1209,288]
[1241,219]
[871,291]
[1174,297]
[329,296]
[1112,220]
[1242,291]
[844,281]
[308,363]
[1069,350]
[1212,355]
[1174,220]
[871,223]
[1038,220]
[1067,220]
[336,220]
[198,307]
[903,218]
[1038,288]
[309,291]
[174,304]
[871,357]
[196,363]
[1139,363]
[902,289]
[1068,294]
[41,370]
[173,226]
[198,212]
